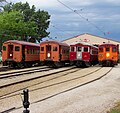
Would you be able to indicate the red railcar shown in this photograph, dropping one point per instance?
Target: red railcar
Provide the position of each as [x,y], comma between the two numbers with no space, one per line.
[20,53]
[83,54]
[54,53]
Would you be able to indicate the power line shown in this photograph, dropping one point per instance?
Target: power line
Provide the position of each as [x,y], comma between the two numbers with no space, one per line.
[59,29]
[75,11]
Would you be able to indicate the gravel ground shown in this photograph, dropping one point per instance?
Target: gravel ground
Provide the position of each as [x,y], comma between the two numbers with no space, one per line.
[96,97]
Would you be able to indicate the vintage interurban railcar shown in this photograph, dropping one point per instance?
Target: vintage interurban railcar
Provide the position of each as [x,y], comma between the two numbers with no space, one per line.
[54,53]
[20,53]
[83,54]
[108,54]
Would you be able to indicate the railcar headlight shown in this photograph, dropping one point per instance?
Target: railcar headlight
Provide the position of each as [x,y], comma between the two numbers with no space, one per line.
[78,55]
[48,54]
[107,54]
[10,54]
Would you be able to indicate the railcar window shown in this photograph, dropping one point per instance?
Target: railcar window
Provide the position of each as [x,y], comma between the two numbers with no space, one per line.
[38,51]
[33,51]
[4,48]
[114,49]
[107,49]
[42,48]
[54,48]
[85,49]
[17,48]
[48,48]
[100,49]
[79,49]
[30,51]
[72,49]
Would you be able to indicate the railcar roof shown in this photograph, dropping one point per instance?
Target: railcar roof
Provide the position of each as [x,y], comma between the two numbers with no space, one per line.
[22,43]
[53,41]
[83,43]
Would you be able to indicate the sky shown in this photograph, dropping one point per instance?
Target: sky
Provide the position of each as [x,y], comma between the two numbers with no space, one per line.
[70,18]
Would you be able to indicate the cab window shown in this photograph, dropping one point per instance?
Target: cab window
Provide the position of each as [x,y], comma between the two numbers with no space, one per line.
[85,49]
[114,49]
[107,49]
[79,49]
[17,48]
[54,48]
[72,49]
[4,48]
[42,48]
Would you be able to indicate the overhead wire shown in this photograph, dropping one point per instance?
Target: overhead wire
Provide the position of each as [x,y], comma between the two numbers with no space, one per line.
[60,29]
[75,11]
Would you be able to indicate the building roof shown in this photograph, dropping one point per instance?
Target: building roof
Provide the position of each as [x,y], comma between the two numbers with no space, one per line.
[22,43]
[92,39]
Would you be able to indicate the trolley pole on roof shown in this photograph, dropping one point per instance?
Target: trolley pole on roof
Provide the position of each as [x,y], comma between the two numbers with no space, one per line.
[26,102]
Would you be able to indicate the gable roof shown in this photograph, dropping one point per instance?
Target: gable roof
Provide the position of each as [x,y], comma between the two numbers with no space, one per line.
[92,39]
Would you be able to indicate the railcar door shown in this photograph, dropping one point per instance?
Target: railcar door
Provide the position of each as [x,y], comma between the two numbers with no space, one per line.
[23,53]
[10,51]
[48,51]
[79,52]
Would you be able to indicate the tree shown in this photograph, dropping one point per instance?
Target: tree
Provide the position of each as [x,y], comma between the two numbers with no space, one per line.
[1,4]
[34,23]
[41,19]
[13,26]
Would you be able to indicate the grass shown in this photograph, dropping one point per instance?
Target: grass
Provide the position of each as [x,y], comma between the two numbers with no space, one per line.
[115,109]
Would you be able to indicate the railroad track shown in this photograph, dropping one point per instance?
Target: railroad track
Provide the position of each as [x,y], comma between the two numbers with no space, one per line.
[4,68]
[17,73]
[57,82]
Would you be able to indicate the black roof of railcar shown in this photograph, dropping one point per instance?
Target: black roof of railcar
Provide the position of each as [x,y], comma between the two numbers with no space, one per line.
[22,43]
[53,41]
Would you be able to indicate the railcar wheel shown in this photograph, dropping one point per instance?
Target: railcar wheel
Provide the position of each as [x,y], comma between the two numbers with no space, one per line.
[20,65]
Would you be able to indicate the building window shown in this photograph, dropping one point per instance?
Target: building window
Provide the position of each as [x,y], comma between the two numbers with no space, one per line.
[17,48]
[4,48]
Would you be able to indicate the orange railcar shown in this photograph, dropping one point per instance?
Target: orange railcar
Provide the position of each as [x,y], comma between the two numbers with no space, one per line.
[108,54]
[20,53]
[54,53]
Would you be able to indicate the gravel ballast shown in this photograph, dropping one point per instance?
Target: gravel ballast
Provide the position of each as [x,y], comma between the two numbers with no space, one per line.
[95,97]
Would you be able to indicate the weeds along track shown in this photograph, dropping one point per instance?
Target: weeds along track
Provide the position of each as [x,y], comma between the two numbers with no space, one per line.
[50,86]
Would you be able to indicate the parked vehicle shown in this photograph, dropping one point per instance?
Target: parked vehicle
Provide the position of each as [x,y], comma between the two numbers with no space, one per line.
[20,53]
[83,54]
[54,53]
[108,54]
